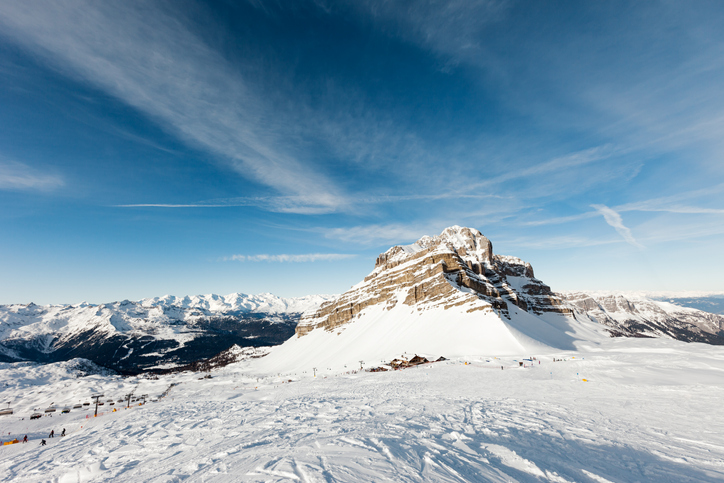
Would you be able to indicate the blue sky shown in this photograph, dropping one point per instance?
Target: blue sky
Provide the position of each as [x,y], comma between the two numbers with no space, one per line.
[184,147]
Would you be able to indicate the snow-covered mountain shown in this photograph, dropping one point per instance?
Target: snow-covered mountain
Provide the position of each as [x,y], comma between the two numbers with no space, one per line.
[450,295]
[447,295]
[636,316]
[130,336]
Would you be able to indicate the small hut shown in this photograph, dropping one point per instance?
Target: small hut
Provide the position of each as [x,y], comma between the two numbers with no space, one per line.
[417,360]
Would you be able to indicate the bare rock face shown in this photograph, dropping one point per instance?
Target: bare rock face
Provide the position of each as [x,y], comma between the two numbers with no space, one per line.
[454,268]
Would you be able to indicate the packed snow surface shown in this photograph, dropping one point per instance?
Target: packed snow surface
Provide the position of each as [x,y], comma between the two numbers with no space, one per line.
[620,410]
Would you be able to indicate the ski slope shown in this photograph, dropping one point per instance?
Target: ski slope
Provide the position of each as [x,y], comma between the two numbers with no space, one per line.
[648,411]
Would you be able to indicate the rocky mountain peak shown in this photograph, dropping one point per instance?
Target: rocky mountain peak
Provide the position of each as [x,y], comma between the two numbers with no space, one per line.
[468,243]
[455,268]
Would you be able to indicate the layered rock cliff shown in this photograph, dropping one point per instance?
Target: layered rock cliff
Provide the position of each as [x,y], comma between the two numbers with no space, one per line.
[456,268]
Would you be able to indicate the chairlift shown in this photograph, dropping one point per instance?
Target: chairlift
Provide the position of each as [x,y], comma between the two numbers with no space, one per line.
[50,410]
[111,403]
[78,406]
[86,404]
[65,410]
[6,411]
[36,416]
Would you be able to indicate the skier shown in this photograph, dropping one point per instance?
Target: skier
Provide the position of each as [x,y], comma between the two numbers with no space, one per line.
[52,433]
[42,442]
[25,439]
[63,433]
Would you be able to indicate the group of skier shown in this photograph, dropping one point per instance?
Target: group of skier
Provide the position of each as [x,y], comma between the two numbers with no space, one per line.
[42,441]
[51,435]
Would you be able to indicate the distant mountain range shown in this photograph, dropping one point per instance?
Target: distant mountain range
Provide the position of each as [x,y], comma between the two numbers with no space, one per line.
[160,332]
[445,295]
[712,303]
[636,316]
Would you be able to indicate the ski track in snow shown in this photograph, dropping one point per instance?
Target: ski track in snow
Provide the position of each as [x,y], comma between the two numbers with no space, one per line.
[644,415]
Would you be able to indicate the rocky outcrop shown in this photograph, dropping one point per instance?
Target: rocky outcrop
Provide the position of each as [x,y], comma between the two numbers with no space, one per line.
[458,267]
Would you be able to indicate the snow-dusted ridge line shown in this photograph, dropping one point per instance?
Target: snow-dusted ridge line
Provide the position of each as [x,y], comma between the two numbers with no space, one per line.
[648,294]
[239,302]
[236,302]
[152,315]
[130,336]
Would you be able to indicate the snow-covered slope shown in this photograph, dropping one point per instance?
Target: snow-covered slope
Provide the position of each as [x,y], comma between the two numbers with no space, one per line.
[134,335]
[635,410]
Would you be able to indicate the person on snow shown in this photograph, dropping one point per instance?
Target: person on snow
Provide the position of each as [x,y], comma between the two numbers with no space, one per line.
[52,433]
[25,439]
[42,442]
[63,433]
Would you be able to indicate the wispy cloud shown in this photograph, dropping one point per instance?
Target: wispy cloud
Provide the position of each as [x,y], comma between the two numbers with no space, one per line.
[285,258]
[293,204]
[562,219]
[19,176]
[562,163]
[448,28]
[277,204]
[557,242]
[614,219]
[680,203]
[147,57]
[380,234]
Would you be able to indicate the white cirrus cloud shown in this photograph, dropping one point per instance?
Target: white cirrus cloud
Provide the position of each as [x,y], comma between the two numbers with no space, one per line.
[287,258]
[19,176]
[614,219]
[145,55]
